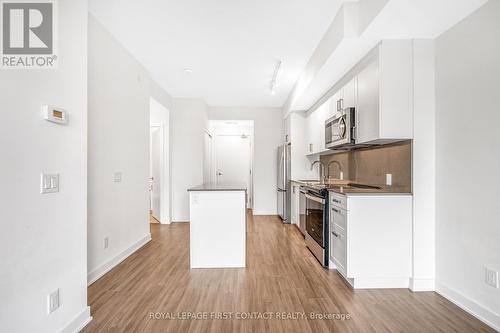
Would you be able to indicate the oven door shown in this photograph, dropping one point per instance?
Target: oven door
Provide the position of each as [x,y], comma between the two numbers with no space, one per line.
[314,218]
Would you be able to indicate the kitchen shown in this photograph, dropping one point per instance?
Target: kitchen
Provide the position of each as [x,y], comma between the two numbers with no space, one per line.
[356,217]
[252,166]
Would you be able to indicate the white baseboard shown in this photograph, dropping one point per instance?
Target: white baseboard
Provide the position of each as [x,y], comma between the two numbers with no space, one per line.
[106,267]
[77,324]
[477,310]
[417,285]
[379,283]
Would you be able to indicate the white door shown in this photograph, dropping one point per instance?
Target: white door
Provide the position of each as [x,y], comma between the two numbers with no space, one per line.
[208,167]
[155,180]
[233,158]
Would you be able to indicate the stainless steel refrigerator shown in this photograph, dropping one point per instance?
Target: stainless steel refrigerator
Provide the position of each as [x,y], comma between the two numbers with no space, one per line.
[283,183]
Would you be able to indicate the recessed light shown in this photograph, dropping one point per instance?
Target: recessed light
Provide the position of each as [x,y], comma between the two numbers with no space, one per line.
[188,70]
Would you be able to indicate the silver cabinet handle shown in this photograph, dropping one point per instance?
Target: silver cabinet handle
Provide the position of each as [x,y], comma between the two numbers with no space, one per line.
[335,234]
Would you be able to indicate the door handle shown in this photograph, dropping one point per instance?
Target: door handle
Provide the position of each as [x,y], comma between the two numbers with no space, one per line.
[219,173]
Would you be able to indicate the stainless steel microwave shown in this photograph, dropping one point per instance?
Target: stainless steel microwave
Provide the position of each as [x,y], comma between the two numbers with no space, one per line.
[340,130]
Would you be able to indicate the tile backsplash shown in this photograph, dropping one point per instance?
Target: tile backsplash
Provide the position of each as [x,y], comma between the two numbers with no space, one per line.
[370,165]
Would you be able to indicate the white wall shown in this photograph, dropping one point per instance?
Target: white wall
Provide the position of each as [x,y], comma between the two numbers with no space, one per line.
[424,166]
[268,129]
[189,119]
[43,237]
[468,162]
[160,115]
[118,100]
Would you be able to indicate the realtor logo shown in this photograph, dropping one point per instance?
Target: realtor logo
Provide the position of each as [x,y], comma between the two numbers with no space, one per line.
[28,33]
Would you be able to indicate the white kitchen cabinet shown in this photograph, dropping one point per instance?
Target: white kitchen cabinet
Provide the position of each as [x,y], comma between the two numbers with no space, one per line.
[315,142]
[384,106]
[300,165]
[349,94]
[287,129]
[370,239]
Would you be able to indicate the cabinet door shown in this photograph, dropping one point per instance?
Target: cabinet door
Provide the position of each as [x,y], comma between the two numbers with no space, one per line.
[287,129]
[331,107]
[295,204]
[349,94]
[322,114]
[338,247]
[367,115]
[310,134]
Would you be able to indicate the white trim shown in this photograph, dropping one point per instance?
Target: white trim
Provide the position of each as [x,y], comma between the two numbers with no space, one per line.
[417,285]
[107,266]
[77,324]
[181,220]
[378,282]
[470,306]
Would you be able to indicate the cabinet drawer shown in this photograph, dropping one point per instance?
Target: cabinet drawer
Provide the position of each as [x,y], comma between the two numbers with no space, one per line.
[339,248]
[338,200]
[338,216]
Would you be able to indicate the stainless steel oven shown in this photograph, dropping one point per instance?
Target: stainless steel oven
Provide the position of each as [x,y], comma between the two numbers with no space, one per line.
[340,130]
[317,223]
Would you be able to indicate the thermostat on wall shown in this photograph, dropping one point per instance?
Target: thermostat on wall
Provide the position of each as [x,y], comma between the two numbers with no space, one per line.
[54,114]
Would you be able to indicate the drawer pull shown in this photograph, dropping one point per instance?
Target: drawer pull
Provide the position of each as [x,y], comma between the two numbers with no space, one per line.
[336,201]
[335,234]
[336,211]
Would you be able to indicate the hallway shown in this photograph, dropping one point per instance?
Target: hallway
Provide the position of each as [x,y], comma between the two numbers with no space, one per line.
[155,283]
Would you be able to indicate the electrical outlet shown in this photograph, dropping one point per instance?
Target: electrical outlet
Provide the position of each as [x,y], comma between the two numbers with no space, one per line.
[49,183]
[117,177]
[106,242]
[388,179]
[492,277]
[53,301]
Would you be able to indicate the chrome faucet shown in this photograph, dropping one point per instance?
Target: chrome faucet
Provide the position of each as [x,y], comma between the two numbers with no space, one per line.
[321,169]
[338,164]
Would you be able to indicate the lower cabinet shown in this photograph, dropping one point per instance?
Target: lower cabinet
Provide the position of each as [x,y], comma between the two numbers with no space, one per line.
[294,205]
[370,239]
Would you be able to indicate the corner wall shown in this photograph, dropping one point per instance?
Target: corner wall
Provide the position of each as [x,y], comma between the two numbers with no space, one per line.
[468,162]
[119,98]
[189,119]
[43,237]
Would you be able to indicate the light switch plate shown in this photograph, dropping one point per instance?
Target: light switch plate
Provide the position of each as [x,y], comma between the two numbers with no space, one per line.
[53,301]
[49,183]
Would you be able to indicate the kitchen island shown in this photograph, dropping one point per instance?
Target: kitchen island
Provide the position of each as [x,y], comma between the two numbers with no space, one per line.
[217,225]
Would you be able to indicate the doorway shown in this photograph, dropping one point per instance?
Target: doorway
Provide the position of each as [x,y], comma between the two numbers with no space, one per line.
[233,153]
[159,164]
[155,177]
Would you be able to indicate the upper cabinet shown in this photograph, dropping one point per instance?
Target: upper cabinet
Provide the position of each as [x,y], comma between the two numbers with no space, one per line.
[315,129]
[380,88]
[384,110]
[287,129]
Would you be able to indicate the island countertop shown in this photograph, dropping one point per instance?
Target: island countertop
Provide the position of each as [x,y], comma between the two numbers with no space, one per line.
[219,187]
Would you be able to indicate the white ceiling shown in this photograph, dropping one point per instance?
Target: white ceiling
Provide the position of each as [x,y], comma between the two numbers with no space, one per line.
[232,46]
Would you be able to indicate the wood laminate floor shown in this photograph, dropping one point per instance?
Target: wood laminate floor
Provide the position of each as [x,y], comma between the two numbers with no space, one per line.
[154,287]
